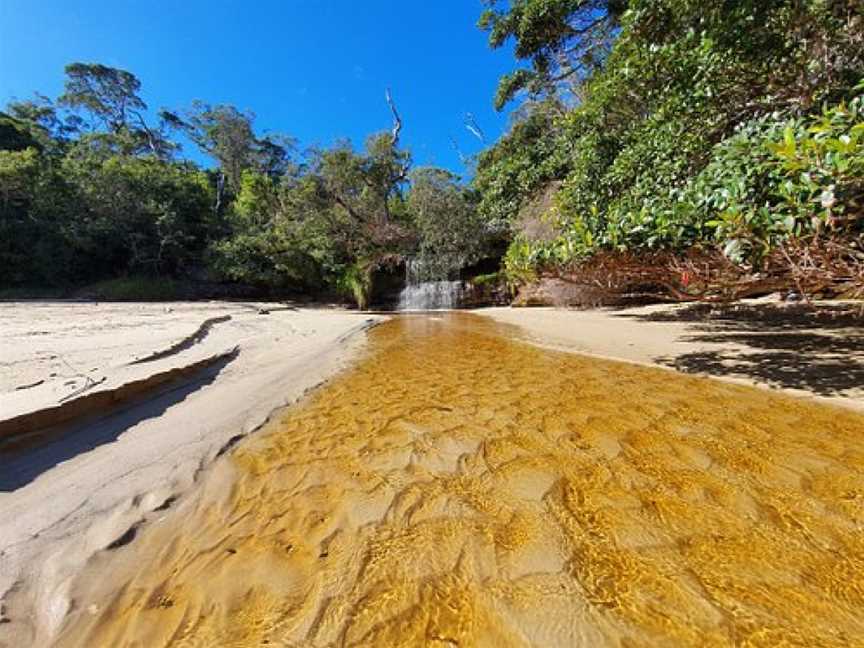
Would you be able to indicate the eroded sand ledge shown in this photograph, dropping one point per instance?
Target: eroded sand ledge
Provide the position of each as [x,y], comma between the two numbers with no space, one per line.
[61,502]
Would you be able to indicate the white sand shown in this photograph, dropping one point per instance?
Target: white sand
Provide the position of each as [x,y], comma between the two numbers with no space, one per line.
[61,502]
[822,363]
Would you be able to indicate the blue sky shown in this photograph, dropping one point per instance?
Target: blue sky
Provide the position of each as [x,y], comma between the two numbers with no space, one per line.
[313,69]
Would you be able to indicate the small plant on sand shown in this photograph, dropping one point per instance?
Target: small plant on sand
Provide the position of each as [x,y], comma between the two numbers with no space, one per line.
[356,282]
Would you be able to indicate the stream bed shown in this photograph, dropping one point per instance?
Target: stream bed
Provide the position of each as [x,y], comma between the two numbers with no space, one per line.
[460,487]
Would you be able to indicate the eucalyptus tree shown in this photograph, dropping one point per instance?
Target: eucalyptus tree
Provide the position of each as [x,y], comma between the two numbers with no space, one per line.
[360,198]
[563,40]
[363,195]
[227,135]
[110,99]
[222,132]
[50,127]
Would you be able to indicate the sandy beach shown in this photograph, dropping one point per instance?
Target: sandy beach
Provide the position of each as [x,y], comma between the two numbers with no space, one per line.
[77,491]
[134,477]
[817,354]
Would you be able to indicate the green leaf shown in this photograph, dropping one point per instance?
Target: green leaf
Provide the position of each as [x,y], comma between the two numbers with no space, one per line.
[789,138]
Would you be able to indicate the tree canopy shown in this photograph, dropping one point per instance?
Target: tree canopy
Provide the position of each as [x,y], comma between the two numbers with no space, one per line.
[564,41]
[702,126]
[729,129]
[92,186]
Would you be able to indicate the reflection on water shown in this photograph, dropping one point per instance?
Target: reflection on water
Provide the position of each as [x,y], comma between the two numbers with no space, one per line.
[459,488]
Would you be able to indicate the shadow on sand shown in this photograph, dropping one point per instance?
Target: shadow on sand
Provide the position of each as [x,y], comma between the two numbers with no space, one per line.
[19,467]
[815,348]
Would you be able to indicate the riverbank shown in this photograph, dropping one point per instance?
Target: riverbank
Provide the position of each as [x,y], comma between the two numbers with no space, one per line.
[457,487]
[65,500]
[812,352]
[226,367]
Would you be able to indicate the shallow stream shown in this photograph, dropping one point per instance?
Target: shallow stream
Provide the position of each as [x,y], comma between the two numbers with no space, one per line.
[459,487]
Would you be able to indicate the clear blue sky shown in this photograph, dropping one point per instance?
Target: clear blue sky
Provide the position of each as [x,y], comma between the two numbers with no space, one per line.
[313,69]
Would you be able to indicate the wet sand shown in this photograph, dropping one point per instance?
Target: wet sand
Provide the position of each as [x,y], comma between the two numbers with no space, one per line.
[457,487]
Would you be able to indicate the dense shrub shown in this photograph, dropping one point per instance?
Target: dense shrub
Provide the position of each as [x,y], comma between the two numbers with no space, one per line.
[707,124]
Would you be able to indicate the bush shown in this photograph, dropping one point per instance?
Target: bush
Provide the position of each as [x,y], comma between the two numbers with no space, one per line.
[701,128]
[135,289]
[776,179]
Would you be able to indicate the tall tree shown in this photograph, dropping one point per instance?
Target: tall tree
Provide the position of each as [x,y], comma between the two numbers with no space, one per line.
[450,233]
[364,188]
[563,40]
[44,121]
[223,132]
[273,154]
[110,97]
[109,94]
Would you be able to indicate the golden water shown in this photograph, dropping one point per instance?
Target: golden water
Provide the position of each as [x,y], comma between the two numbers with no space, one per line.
[460,488]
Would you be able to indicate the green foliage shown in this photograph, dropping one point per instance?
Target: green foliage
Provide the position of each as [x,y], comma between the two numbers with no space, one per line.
[222,132]
[14,134]
[89,190]
[489,279]
[38,118]
[267,244]
[141,215]
[355,281]
[109,94]
[534,153]
[450,233]
[110,98]
[564,40]
[702,126]
[33,202]
[136,288]
[779,178]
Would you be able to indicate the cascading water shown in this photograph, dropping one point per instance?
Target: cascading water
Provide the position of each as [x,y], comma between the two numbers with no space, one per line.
[421,295]
[431,295]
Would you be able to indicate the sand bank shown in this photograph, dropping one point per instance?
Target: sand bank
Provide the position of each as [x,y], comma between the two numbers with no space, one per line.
[814,354]
[447,470]
[78,490]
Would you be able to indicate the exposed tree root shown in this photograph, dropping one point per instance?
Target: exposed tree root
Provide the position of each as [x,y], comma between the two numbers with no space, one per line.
[803,268]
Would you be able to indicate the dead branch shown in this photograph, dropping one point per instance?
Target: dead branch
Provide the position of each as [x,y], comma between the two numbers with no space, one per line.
[151,138]
[455,145]
[474,128]
[397,120]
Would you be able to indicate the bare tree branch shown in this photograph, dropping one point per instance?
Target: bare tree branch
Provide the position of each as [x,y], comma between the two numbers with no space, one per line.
[456,148]
[472,125]
[397,120]
[151,138]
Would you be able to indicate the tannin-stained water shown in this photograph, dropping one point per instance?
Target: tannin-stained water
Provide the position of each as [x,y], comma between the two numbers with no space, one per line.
[459,488]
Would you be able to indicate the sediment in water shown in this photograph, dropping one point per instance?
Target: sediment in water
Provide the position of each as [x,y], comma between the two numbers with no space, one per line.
[459,487]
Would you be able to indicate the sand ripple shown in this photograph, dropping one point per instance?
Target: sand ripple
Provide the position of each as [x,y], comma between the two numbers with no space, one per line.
[460,488]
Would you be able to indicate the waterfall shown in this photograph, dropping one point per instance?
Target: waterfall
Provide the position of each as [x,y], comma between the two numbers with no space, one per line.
[431,295]
[421,295]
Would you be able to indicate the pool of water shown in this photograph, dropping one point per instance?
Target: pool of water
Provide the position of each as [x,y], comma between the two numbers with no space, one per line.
[459,487]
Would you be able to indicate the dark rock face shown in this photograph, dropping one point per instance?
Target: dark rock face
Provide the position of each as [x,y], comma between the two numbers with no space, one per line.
[480,295]
[386,286]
